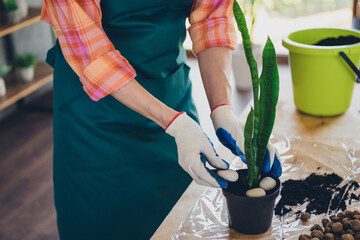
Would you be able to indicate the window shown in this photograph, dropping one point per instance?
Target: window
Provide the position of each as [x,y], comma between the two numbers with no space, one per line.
[277,18]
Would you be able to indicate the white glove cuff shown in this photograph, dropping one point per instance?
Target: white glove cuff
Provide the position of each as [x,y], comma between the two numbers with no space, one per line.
[179,123]
[220,115]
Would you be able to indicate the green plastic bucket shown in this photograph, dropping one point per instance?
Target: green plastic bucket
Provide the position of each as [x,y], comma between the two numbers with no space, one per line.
[323,82]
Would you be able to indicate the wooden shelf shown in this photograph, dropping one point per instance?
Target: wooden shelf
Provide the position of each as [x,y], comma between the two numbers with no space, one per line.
[33,17]
[17,90]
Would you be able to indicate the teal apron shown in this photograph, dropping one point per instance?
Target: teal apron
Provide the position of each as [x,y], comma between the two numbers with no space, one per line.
[116,173]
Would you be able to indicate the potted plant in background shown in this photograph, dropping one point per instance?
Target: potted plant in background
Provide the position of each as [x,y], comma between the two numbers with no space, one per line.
[12,11]
[251,199]
[3,70]
[23,8]
[25,66]
[240,68]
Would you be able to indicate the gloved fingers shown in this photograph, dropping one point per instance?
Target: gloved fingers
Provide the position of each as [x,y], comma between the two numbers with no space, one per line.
[271,152]
[229,175]
[276,168]
[200,181]
[208,175]
[226,139]
[267,162]
[212,158]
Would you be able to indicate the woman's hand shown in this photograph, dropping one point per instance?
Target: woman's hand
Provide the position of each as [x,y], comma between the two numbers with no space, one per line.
[195,150]
[230,132]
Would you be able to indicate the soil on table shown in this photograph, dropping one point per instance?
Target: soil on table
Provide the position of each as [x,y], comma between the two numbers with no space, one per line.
[342,40]
[323,192]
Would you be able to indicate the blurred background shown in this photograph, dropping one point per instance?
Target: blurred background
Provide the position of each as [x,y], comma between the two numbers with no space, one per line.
[26,194]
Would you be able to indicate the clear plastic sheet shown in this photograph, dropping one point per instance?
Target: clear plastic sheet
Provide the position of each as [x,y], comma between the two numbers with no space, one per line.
[300,157]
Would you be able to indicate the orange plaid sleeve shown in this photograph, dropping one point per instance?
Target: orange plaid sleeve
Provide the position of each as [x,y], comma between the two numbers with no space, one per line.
[212,24]
[86,47]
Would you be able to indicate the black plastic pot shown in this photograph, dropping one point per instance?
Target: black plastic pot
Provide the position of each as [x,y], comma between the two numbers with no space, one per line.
[249,215]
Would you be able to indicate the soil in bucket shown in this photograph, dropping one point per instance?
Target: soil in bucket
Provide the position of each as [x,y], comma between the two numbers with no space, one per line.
[338,41]
[323,84]
[250,215]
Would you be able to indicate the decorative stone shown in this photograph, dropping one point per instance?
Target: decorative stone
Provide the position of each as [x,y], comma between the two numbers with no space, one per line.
[267,183]
[256,192]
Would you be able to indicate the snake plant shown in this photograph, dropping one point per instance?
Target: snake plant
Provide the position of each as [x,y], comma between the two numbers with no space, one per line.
[260,121]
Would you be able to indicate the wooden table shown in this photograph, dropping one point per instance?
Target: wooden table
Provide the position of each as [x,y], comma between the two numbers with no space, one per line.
[288,120]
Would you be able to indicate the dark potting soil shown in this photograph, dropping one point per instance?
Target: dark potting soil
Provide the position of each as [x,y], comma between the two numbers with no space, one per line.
[342,40]
[319,190]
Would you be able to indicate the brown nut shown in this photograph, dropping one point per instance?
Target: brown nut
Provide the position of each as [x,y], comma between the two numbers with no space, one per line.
[334,218]
[346,223]
[337,227]
[341,215]
[355,225]
[357,236]
[317,234]
[329,236]
[325,222]
[316,227]
[349,213]
[304,216]
[357,216]
[315,239]
[304,237]
[356,212]
[329,224]
[349,231]
[347,237]
[327,230]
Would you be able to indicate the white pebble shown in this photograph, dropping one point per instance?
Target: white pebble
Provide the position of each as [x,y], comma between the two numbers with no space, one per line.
[256,192]
[267,183]
[229,175]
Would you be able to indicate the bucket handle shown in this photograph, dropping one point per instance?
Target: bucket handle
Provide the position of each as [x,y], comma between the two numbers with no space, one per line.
[351,65]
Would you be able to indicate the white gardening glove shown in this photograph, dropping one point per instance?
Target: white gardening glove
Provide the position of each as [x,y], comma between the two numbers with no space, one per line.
[195,149]
[230,132]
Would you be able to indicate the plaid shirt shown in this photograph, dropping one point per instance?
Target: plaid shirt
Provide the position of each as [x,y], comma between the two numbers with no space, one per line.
[100,67]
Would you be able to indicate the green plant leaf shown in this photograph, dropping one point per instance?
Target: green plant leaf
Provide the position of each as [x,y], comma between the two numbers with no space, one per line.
[269,94]
[248,135]
[241,24]
[260,121]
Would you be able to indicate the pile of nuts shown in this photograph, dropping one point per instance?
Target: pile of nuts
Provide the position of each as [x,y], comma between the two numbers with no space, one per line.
[342,226]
